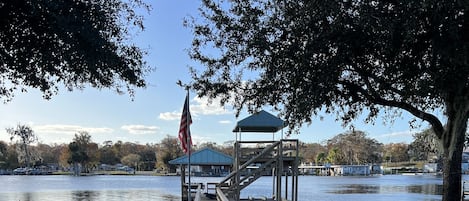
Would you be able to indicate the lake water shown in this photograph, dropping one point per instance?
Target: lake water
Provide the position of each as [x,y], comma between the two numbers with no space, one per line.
[123,188]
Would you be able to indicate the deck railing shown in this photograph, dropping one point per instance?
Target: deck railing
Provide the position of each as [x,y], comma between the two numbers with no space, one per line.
[221,195]
[252,160]
[198,194]
[265,156]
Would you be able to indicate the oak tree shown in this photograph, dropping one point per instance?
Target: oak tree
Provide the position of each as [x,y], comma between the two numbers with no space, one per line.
[425,145]
[396,152]
[24,136]
[343,57]
[81,152]
[48,44]
[355,148]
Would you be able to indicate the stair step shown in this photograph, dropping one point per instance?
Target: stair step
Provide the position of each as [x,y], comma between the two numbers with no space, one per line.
[224,185]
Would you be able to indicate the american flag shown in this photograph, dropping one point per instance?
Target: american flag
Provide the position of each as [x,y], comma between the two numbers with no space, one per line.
[184,127]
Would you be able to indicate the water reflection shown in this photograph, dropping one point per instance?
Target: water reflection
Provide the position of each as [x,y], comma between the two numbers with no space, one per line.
[170,198]
[143,188]
[110,195]
[357,189]
[135,194]
[85,195]
[429,189]
[27,197]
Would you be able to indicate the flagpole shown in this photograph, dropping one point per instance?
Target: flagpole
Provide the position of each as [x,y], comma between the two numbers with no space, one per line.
[188,142]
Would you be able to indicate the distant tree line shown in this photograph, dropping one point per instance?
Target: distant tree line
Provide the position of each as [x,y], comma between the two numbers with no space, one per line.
[352,147]
[356,148]
[24,150]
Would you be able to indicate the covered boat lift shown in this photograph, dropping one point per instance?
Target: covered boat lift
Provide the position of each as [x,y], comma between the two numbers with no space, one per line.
[260,122]
[279,157]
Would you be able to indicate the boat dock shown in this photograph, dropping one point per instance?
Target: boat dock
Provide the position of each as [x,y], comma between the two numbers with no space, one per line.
[252,160]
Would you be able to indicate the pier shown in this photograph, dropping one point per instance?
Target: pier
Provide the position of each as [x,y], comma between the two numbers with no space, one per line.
[276,158]
[256,158]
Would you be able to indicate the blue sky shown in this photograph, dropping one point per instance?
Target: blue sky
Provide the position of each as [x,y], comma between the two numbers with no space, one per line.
[155,111]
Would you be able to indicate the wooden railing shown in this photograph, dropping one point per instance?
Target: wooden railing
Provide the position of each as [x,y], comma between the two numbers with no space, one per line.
[253,175]
[198,194]
[221,195]
[266,156]
[233,184]
[251,161]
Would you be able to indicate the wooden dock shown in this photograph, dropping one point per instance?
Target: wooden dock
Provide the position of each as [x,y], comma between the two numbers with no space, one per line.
[275,158]
[465,190]
[252,160]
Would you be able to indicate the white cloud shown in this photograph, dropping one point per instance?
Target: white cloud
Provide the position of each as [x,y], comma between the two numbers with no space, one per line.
[169,116]
[204,107]
[224,122]
[196,139]
[140,129]
[199,106]
[69,129]
[399,134]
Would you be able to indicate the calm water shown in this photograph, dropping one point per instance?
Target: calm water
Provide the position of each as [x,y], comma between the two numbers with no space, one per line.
[120,188]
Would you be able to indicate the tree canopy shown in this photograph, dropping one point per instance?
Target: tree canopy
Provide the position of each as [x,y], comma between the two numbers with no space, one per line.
[355,148]
[24,136]
[46,44]
[342,57]
[425,145]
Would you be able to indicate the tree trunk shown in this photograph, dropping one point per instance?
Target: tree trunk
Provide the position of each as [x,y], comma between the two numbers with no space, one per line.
[452,141]
[452,174]
[76,171]
[27,157]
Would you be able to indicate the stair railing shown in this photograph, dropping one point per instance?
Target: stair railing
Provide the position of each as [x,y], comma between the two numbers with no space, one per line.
[252,160]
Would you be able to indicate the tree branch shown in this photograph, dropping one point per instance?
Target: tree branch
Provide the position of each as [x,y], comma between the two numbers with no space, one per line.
[374,98]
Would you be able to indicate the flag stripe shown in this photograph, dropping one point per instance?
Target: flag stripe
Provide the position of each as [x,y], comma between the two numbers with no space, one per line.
[184,127]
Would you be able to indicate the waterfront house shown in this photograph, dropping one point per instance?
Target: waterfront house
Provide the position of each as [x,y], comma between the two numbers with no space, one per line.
[436,167]
[205,162]
[339,170]
[351,170]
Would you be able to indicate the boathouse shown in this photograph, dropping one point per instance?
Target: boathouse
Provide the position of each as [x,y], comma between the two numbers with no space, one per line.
[205,162]
[252,159]
[339,170]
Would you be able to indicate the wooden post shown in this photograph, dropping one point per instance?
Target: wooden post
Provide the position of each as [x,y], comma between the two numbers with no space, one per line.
[296,172]
[183,181]
[236,182]
[286,184]
[278,195]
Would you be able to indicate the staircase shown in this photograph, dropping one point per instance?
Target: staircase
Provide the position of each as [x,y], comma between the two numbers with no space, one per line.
[265,158]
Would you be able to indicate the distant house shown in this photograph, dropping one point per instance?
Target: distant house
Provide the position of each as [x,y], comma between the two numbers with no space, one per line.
[435,167]
[340,170]
[465,162]
[349,170]
[205,162]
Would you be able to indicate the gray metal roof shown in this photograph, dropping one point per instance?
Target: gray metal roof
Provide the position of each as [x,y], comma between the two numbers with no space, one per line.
[260,122]
[205,156]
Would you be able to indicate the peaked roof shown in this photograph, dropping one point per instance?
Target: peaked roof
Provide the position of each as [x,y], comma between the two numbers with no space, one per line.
[205,156]
[260,122]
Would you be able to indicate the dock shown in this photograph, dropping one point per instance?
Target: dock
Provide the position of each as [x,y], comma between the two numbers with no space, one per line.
[465,190]
[252,160]
[278,159]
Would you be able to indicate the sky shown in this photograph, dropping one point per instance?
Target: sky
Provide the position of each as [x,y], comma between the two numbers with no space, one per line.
[155,111]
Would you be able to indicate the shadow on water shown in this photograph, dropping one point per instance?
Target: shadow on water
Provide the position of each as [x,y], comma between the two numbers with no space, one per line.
[170,198]
[429,189]
[85,195]
[27,197]
[121,195]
